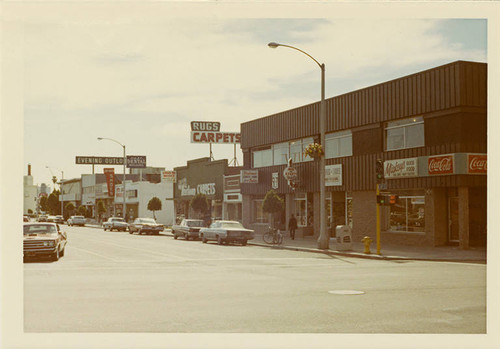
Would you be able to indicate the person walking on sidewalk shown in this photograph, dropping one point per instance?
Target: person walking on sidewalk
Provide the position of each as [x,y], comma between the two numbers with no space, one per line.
[292,225]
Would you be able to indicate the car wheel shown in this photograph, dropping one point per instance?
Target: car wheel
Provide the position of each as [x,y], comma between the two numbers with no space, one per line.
[204,239]
[130,231]
[62,252]
[104,228]
[219,240]
[186,236]
[175,237]
[244,243]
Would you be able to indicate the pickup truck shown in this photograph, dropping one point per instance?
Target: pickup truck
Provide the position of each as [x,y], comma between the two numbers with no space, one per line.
[116,223]
[188,228]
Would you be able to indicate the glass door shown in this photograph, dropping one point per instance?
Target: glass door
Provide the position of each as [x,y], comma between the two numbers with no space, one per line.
[453,234]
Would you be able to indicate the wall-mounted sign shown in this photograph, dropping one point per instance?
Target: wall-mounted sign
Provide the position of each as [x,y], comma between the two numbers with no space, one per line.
[215,137]
[441,165]
[290,173]
[275,182]
[333,175]
[136,161]
[477,163]
[169,176]
[110,180]
[401,168]
[249,176]
[206,189]
[205,126]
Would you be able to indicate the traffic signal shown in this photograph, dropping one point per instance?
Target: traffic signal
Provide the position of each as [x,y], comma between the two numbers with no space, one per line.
[393,199]
[381,199]
[380,171]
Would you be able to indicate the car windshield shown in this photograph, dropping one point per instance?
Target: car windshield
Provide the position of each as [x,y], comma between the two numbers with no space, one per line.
[117,220]
[194,223]
[147,220]
[39,228]
[78,217]
[231,225]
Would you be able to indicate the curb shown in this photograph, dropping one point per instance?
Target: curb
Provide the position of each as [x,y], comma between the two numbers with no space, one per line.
[348,254]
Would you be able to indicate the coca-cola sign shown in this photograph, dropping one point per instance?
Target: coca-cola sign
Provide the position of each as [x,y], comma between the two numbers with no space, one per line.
[401,168]
[477,163]
[441,165]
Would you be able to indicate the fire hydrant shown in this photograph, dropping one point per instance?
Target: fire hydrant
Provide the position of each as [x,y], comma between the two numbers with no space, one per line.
[367,241]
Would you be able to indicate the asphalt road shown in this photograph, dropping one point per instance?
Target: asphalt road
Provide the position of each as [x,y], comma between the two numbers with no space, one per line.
[117,282]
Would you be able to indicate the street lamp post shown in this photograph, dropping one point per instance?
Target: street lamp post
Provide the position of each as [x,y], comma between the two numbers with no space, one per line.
[60,188]
[124,165]
[324,239]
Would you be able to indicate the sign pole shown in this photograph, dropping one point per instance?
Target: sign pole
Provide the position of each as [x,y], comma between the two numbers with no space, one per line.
[378,221]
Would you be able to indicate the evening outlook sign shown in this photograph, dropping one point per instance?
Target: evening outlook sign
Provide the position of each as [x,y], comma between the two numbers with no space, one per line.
[133,161]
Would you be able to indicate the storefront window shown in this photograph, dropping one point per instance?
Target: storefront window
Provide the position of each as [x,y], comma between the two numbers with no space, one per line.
[338,144]
[262,158]
[408,214]
[407,133]
[300,209]
[259,215]
[281,153]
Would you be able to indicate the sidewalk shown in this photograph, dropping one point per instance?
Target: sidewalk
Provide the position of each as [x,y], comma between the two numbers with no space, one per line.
[387,251]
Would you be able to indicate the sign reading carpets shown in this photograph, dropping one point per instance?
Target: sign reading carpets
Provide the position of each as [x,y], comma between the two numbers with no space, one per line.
[249,176]
[333,175]
[110,180]
[209,132]
[401,168]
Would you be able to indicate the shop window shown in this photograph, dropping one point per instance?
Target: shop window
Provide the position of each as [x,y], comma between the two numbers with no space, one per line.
[280,153]
[408,214]
[262,158]
[338,144]
[407,133]
[300,209]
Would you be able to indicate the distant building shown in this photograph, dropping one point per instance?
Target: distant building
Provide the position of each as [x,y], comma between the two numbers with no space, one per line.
[30,193]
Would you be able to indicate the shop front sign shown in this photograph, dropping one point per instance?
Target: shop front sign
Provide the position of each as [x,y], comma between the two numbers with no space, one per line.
[477,163]
[333,175]
[401,168]
[215,137]
[136,161]
[441,165]
[169,176]
[249,176]
[110,180]
[206,189]
[290,173]
[275,182]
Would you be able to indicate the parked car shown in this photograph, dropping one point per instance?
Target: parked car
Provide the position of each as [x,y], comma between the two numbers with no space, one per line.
[145,226]
[188,228]
[44,240]
[226,232]
[59,219]
[76,220]
[43,218]
[116,223]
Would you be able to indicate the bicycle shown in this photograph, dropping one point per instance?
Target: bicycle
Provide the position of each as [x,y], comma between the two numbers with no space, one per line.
[273,236]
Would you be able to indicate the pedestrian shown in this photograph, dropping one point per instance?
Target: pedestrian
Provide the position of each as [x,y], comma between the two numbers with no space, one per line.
[292,225]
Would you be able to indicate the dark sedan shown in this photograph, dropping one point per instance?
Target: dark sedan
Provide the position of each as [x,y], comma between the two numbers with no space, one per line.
[188,229]
[145,226]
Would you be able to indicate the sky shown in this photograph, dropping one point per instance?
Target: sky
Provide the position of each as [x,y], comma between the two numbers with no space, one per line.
[141,81]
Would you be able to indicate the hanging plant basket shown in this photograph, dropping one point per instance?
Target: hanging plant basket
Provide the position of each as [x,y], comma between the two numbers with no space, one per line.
[314,150]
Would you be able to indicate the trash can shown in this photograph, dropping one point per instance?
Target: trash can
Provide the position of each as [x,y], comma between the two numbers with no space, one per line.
[344,238]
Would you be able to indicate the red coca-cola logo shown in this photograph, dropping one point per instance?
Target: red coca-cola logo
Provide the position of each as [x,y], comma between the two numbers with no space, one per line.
[441,165]
[477,163]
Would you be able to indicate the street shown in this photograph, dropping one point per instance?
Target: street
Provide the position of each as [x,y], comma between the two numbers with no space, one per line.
[117,282]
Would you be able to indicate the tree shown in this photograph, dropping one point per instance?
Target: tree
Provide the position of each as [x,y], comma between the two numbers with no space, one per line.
[101,208]
[53,204]
[272,204]
[199,204]
[82,210]
[154,205]
[43,204]
[68,210]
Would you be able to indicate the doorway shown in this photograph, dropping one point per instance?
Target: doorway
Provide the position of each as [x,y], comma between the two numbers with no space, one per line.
[453,225]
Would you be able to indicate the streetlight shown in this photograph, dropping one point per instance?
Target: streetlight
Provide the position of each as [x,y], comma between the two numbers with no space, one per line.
[60,186]
[124,164]
[323,239]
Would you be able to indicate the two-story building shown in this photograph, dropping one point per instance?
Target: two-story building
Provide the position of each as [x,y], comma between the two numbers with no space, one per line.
[428,128]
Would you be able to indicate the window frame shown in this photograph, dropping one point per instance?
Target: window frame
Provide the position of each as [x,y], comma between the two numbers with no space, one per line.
[404,124]
[338,137]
